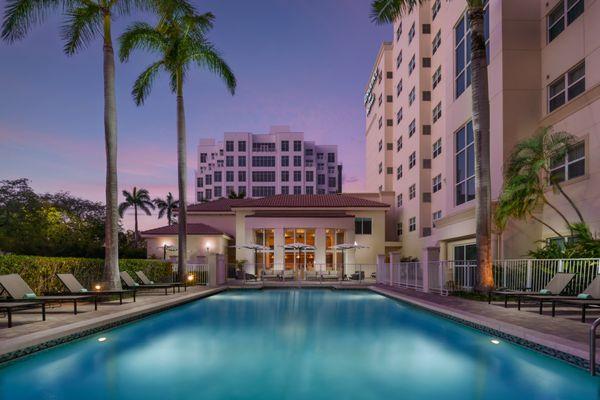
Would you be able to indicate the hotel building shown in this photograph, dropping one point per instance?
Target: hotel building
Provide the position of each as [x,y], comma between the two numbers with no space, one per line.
[260,165]
[544,70]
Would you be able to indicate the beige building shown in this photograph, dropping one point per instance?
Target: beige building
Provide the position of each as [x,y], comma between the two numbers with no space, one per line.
[544,70]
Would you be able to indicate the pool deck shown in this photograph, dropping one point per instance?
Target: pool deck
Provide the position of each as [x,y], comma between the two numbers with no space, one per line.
[564,332]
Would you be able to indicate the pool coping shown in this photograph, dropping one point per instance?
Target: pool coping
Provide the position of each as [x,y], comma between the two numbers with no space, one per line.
[553,346]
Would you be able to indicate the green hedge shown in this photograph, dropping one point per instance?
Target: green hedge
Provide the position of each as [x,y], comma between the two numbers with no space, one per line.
[40,272]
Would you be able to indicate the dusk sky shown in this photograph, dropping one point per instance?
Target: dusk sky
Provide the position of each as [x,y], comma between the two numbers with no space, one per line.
[299,63]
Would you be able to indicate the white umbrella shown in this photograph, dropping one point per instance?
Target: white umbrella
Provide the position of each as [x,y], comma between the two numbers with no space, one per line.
[256,248]
[298,247]
[347,246]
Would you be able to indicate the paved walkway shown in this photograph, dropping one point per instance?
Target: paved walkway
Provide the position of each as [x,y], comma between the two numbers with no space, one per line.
[564,332]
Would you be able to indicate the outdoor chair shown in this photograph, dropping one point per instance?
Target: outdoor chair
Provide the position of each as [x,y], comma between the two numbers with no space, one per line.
[10,307]
[329,275]
[147,282]
[357,276]
[130,283]
[557,284]
[288,274]
[313,275]
[270,274]
[76,288]
[19,290]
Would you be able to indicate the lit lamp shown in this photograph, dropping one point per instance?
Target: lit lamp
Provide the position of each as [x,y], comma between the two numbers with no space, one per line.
[97,287]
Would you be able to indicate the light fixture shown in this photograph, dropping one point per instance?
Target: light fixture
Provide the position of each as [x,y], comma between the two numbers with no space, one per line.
[495,341]
[102,339]
[190,277]
[97,287]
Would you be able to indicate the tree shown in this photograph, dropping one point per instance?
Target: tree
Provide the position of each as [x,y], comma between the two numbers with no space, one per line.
[138,199]
[239,195]
[85,20]
[387,11]
[166,207]
[180,42]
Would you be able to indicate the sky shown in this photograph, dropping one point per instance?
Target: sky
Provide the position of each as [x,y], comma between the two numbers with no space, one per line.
[303,63]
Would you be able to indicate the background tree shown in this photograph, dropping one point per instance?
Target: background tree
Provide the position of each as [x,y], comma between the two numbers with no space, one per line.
[180,42]
[238,195]
[85,20]
[138,199]
[387,11]
[166,207]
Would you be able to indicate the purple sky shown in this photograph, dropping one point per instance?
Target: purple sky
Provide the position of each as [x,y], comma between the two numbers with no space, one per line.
[298,63]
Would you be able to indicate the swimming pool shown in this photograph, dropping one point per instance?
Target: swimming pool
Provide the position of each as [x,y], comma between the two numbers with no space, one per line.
[293,344]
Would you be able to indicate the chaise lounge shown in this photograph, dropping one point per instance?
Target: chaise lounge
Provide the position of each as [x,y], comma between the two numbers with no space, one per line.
[132,284]
[147,282]
[76,288]
[10,307]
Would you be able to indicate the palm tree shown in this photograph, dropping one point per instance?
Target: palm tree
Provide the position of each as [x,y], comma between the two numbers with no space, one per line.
[179,40]
[85,20]
[166,207]
[387,11]
[138,198]
[239,195]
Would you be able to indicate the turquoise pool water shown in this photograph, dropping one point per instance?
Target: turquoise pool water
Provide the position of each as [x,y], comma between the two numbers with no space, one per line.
[293,344]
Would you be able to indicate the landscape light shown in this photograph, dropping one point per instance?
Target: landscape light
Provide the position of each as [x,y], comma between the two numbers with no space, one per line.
[190,277]
[102,339]
[97,287]
[495,341]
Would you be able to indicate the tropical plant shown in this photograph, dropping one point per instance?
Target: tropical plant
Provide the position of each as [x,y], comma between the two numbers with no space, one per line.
[387,11]
[166,207]
[179,39]
[239,195]
[138,199]
[582,244]
[85,20]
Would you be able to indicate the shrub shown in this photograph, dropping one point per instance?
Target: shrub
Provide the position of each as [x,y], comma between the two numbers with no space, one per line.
[40,272]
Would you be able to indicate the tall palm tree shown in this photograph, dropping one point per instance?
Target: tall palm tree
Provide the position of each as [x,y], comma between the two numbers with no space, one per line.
[85,20]
[138,199]
[180,42]
[166,207]
[387,11]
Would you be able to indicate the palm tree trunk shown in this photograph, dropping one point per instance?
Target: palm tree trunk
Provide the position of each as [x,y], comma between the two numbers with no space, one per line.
[546,225]
[481,131]
[181,178]
[111,229]
[571,202]
[137,233]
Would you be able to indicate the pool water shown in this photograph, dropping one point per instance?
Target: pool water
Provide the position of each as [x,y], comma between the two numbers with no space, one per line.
[293,344]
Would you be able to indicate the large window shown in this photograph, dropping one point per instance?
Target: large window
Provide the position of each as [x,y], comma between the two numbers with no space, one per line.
[465,164]
[285,145]
[412,191]
[411,65]
[462,49]
[435,9]
[263,191]
[242,145]
[437,183]
[411,33]
[297,145]
[571,166]
[437,42]
[412,97]
[399,172]
[263,176]
[297,161]
[562,15]
[362,226]
[437,77]
[412,128]
[229,145]
[263,161]
[412,224]
[437,112]
[567,87]
[263,147]
[437,148]
[412,160]
[242,161]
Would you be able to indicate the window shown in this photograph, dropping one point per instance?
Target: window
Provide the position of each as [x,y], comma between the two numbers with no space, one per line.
[219,163]
[310,176]
[399,172]
[437,77]
[435,9]
[285,161]
[285,190]
[399,144]
[412,128]
[389,122]
[412,224]
[362,226]
[563,14]
[462,49]
[389,170]
[399,88]
[263,161]
[411,97]
[229,145]
[208,179]
[411,33]
[412,191]
[297,161]
[465,164]
[437,148]
[380,99]
[399,228]
[380,145]
[437,41]
[218,177]
[399,59]
[199,196]
[389,75]
[399,31]
[436,216]
[285,145]
[332,182]
[242,190]
[399,200]
[285,176]
[229,161]
[412,160]
[426,96]
[389,99]
[229,176]
[380,122]
[263,176]
[437,183]
[208,194]
[320,179]
[241,176]
[437,112]
[242,145]
[319,156]
[426,29]
[263,147]
[308,152]
[399,116]
[389,146]
[411,65]
[331,157]
[559,92]
[297,145]
[263,191]
[241,161]
[297,176]
[426,62]
[199,182]
[297,189]
[570,166]
[380,168]
[202,157]
[218,191]
[310,190]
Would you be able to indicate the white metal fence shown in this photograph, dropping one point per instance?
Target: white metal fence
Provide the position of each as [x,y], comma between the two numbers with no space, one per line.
[519,274]
[347,273]
[196,274]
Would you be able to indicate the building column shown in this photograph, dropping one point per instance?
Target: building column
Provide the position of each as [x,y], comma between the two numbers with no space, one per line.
[278,253]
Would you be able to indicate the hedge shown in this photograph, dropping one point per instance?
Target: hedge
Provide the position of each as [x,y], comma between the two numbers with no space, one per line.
[40,272]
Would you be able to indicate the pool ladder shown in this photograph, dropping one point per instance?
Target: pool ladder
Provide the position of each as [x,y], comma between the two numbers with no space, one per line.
[593,337]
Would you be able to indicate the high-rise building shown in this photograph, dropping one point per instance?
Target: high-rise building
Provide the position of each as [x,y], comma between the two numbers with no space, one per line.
[543,63]
[260,165]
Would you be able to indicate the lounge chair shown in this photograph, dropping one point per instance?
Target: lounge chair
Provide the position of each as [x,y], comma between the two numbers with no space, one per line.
[19,290]
[130,283]
[76,288]
[271,274]
[10,307]
[330,275]
[148,282]
[590,297]
[313,276]
[557,284]
[288,274]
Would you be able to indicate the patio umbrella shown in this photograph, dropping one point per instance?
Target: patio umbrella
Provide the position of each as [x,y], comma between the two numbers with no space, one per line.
[255,247]
[347,246]
[298,247]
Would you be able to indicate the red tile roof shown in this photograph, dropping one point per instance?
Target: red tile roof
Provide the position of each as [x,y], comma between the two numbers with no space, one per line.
[299,214]
[192,229]
[217,205]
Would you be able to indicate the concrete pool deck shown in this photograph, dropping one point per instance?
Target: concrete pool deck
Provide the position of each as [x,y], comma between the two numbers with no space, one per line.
[563,334]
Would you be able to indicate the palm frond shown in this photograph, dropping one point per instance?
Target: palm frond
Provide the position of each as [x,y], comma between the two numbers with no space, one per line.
[143,84]
[387,11]
[82,25]
[207,57]
[123,207]
[140,36]
[21,15]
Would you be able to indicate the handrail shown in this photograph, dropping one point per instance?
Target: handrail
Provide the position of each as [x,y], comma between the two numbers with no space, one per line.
[593,338]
